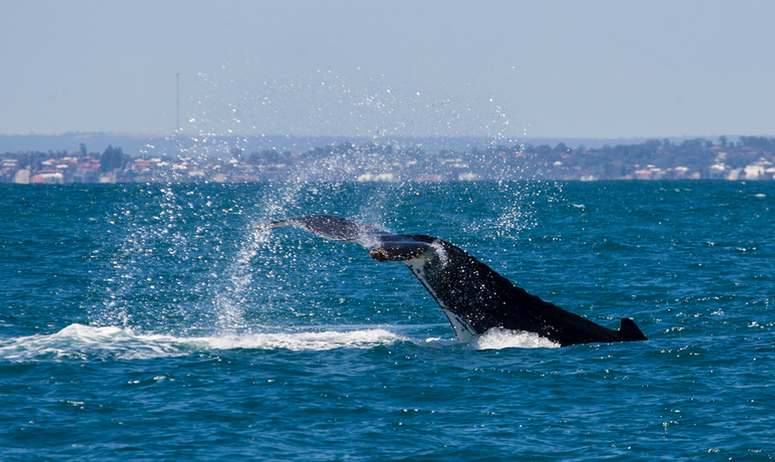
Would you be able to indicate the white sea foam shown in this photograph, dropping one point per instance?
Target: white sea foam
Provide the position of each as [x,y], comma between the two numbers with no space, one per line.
[497,339]
[78,341]
[83,342]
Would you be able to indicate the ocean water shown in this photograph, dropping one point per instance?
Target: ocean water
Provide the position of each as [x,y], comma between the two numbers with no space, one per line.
[155,322]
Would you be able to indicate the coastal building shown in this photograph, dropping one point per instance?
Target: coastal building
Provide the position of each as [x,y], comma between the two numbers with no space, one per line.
[734,174]
[650,172]
[718,170]
[8,168]
[107,178]
[753,172]
[467,176]
[376,177]
[48,178]
[22,176]
[429,178]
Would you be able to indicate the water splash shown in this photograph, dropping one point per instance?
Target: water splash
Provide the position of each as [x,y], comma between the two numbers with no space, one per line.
[237,284]
[84,342]
[230,303]
[144,240]
[81,342]
[497,339]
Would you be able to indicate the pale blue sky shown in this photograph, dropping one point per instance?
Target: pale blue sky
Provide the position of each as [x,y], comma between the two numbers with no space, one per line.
[548,68]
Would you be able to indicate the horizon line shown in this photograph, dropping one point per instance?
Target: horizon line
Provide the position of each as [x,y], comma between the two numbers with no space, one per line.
[174,134]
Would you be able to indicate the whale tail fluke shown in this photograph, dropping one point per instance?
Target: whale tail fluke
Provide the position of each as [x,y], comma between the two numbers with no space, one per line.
[629,331]
[472,295]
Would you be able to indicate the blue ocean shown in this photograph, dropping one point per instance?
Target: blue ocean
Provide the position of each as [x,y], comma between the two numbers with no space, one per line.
[162,322]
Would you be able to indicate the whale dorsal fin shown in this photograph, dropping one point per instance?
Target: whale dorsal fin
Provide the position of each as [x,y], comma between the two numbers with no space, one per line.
[629,331]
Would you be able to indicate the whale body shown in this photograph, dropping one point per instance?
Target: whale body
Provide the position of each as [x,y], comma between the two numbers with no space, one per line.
[473,297]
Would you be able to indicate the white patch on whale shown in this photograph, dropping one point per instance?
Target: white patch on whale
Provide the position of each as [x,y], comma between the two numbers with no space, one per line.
[463,331]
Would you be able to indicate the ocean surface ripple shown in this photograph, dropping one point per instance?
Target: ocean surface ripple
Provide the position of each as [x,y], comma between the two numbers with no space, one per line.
[157,322]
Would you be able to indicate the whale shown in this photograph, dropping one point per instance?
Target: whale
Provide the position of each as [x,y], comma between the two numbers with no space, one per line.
[473,297]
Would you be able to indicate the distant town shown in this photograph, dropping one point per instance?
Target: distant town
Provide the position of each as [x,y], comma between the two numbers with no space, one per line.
[739,158]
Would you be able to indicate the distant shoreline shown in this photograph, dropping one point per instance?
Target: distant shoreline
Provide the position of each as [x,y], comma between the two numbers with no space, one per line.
[744,158]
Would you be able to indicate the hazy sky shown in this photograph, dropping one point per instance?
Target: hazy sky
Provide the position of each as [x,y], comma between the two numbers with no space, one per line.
[544,68]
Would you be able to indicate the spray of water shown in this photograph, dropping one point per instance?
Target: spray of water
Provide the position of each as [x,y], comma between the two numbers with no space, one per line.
[239,282]
[230,302]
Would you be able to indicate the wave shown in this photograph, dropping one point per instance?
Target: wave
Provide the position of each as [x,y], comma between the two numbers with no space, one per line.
[82,342]
[78,341]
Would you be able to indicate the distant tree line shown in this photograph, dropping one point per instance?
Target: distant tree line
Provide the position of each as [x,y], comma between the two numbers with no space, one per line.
[113,159]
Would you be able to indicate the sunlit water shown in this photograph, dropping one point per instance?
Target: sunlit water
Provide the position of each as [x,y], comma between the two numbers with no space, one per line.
[159,323]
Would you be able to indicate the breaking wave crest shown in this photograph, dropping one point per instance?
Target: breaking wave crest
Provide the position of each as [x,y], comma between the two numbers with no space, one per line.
[78,341]
[497,339]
